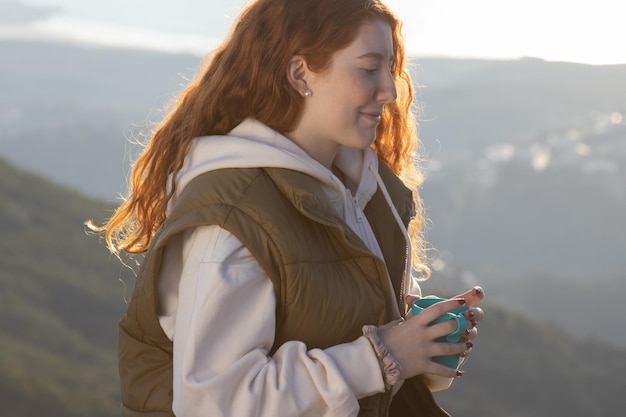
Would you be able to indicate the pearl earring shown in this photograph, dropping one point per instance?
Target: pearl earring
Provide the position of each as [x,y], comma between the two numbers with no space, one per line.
[307,93]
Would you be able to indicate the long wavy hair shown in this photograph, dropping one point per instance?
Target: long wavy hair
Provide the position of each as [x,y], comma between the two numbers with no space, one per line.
[246,78]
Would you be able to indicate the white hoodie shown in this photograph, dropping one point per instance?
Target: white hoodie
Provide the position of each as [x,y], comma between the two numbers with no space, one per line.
[218,306]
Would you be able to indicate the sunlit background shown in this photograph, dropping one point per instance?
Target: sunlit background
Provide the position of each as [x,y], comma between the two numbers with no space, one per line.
[557,30]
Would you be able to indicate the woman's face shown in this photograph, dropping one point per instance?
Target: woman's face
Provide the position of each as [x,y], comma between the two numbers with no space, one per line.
[348,98]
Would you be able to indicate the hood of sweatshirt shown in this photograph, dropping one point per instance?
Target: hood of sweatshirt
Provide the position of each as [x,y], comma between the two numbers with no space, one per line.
[252,145]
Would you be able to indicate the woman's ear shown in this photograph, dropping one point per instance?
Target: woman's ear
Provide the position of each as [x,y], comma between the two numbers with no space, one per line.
[297,71]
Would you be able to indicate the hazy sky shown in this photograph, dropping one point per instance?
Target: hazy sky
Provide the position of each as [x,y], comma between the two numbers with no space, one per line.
[589,31]
[570,30]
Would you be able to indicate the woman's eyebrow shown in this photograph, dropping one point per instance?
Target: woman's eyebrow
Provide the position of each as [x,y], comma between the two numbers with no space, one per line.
[377,56]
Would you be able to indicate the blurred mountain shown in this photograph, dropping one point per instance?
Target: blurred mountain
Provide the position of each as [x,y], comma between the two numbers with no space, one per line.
[554,205]
[525,160]
[520,368]
[60,299]
[526,165]
[469,104]
[61,296]
[71,112]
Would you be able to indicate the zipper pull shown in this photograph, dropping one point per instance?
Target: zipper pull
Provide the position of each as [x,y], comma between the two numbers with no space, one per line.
[357,211]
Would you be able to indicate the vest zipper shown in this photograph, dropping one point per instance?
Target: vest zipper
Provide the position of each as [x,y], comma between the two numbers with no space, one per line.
[401,304]
[407,276]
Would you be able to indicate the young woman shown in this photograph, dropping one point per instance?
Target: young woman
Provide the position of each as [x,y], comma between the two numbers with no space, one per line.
[273,204]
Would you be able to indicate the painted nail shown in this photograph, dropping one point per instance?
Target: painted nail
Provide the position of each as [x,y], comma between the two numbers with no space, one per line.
[459,373]
[461,301]
[474,324]
[469,345]
[478,291]
[471,313]
[467,333]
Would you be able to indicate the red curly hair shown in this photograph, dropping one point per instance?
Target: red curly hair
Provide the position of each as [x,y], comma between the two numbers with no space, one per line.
[246,78]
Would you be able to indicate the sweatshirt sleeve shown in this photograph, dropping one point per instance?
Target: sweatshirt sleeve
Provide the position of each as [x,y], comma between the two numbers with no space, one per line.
[223,329]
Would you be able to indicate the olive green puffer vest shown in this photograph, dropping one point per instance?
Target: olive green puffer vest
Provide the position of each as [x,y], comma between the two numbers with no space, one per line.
[327,283]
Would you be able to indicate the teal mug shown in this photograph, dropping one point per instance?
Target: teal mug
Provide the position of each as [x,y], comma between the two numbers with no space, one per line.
[451,361]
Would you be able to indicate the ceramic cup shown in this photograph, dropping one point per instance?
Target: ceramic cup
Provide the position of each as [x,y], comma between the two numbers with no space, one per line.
[451,361]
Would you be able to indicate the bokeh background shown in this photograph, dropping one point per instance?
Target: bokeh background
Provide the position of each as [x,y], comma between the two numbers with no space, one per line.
[523,127]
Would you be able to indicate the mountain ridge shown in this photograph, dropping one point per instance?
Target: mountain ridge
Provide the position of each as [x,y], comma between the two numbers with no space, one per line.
[525,164]
[57,313]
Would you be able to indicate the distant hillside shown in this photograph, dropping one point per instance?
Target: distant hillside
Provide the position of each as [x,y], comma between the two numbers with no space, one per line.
[526,166]
[566,219]
[525,160]
[524,369]
[468,104]
[90,101]
[70,112]
[61,298]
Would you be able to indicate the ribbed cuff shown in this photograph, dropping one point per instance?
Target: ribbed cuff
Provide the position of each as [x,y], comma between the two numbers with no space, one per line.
[389,365]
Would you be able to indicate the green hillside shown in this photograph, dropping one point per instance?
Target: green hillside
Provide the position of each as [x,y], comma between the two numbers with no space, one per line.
[61,297]
[522,368]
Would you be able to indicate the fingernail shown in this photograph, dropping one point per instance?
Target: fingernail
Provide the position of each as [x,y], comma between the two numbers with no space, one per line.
[469,345]
[478,291]
[471,313]
[474,324]
[467,333]
[459,373]
[463,354]
[462,301]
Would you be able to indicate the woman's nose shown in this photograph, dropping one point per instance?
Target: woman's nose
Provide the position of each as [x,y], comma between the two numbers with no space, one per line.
[387,88]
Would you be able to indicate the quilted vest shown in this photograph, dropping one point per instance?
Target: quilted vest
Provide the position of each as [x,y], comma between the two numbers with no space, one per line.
[308,253]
